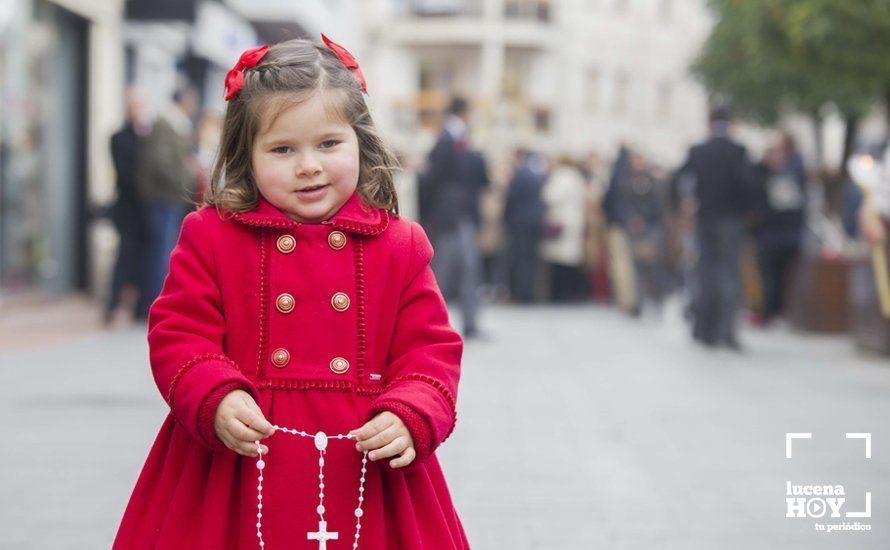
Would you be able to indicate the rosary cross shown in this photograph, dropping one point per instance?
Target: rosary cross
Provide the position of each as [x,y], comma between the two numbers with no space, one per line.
[322,535]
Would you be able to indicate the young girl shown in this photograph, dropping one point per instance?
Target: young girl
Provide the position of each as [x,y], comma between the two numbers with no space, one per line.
[299,300]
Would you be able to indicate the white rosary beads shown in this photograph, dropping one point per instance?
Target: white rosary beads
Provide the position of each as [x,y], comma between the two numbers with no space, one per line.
[322,535]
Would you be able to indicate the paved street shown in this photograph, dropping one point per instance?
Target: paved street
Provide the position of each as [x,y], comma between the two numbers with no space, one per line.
[578,429]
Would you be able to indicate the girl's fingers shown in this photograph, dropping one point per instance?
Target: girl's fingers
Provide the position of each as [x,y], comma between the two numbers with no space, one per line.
[247,449]
[372,427]
[256,421]
[406,458]
[243,433]
[394,448]
[375,442]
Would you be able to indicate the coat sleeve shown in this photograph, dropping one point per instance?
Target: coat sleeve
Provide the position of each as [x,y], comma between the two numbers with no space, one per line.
[424,356]
[186,330]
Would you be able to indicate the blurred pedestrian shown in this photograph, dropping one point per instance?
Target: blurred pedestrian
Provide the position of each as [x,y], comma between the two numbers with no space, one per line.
[128,213]
[643,199]
[596,234]
[719,169]
[450,189]
[523,218]
[779,189]
[622,275]
[167,182]
[562,245]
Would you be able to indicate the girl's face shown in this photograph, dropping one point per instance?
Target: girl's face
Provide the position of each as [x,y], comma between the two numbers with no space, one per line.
[306,163]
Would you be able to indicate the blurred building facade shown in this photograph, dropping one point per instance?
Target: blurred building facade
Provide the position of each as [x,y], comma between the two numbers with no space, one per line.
[566,76]
[62,71]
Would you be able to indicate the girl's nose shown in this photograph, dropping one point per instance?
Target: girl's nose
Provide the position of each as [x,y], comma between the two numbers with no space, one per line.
[308,166]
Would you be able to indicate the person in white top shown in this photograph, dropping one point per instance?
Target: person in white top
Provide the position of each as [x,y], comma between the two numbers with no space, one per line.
[562,245]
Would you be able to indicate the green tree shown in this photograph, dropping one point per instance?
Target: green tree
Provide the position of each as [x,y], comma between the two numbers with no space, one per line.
[769,57]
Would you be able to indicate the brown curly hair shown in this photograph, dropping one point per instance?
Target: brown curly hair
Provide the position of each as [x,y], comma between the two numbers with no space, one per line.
[289,73]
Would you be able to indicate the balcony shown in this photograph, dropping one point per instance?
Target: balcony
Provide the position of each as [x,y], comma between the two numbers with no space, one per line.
[534,10]
[440,8]
[522,23]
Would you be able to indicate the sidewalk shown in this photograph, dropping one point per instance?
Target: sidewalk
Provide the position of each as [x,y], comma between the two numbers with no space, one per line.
[38,320]
[33,321]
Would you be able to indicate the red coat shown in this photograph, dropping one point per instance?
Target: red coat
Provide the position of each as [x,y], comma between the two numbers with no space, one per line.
[325,325]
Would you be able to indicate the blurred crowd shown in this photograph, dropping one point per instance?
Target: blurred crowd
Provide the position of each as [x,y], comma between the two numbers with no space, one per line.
[555,228]
[627,232]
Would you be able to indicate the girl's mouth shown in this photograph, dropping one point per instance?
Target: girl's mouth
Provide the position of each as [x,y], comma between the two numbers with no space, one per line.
[313,191]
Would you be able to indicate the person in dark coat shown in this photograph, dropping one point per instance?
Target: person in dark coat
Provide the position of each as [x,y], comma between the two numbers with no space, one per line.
[127,213]
[524,215]
[449,211]
[719,169]
[779,199]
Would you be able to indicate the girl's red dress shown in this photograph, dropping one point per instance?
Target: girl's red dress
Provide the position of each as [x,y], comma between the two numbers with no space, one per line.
[325,325]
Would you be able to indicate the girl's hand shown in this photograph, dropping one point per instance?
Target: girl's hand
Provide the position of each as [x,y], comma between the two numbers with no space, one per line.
[239,423]
[386,435]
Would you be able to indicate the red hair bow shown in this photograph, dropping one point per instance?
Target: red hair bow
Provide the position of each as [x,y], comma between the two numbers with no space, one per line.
[347,60]
[235,77]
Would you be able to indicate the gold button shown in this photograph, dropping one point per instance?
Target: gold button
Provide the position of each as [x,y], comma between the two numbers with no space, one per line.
[340,301]
[285,303]
[280,357]
[339,365]
[336,240]
[286,244]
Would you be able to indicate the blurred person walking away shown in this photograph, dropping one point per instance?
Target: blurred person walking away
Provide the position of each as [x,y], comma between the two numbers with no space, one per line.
[620,257]
[643,200]
[596,230]
[449,198]
[127,213]
[719,168]
[779,201]
[166,179]
[523,218]
[562,245]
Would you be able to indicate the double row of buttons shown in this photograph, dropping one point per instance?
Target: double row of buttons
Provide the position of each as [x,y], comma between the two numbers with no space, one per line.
[285,302]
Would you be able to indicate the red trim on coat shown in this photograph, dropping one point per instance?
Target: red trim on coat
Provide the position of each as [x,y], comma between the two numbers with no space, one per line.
[438,385]
[355,216]
[264,302]
[360,332]
[316,384]
[188,365]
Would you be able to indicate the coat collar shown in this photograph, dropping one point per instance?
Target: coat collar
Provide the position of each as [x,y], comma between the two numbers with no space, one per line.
[355,216]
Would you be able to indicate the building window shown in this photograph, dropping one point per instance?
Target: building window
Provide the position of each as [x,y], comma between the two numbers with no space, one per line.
[527,9]
[663,99]
[542,119]
[592,99]
[665,10]
[621,99]
[440,8]
[435,81]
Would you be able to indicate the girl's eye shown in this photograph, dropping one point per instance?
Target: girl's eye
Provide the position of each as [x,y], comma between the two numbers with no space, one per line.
[281,150]
[329,143]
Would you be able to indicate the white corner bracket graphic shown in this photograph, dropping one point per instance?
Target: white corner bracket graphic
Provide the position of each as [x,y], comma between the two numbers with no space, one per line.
[867,512]
[789,437]
[866,437]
